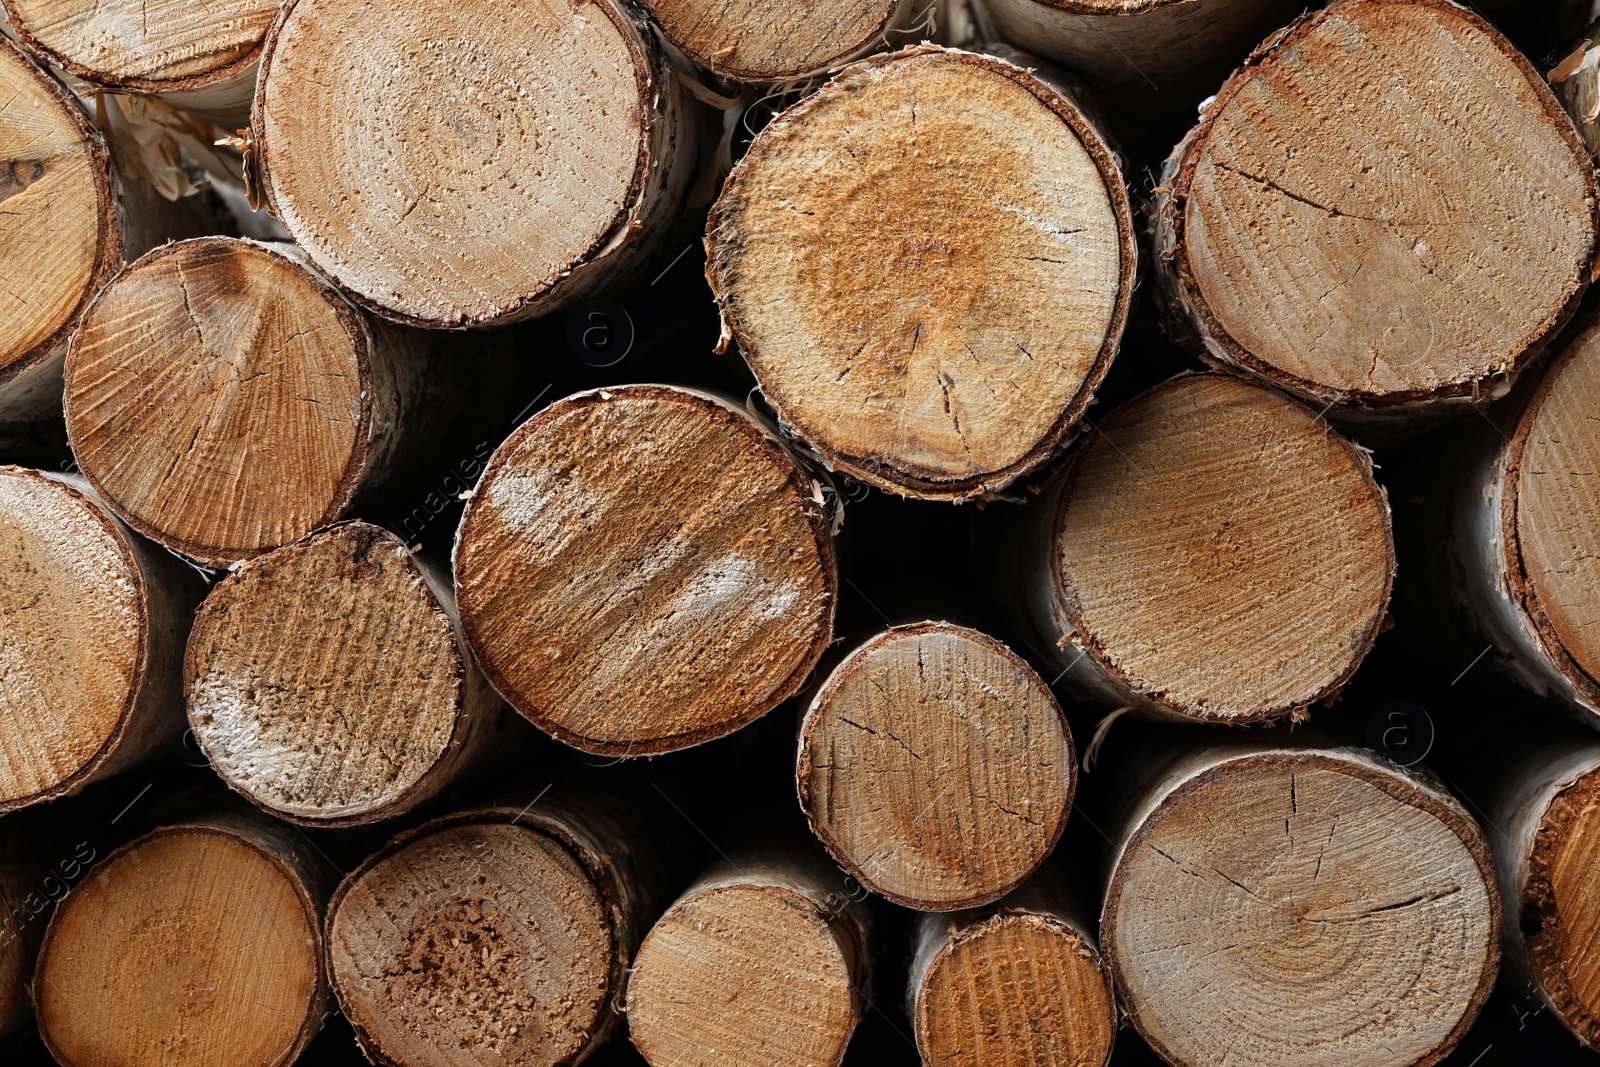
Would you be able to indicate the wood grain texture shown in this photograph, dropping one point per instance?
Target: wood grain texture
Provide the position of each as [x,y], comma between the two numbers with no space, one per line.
[927,265]
[761,41]
[1383,209]
[196,944]
[936,767]
[225,400]
[328,682]
[94,628]
[642,569]
[762,962]
[508,158]
[1214,551]
[1272,905]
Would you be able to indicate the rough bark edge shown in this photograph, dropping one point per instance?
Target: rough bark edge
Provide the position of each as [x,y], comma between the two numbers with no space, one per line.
[474,702]
[267,842]
[875,470]
[804,769]
[896,17]
[1174,274]
[662,176]
[1186,776]
[165,598]
[729,415]
[1091,670]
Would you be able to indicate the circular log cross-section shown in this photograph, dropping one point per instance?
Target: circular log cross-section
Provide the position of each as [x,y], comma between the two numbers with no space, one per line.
[927,264]
[194,946]
[508,157]
[1335,226]
[327,682]
[936,767]
[762,41]
[1216,553]
[224,400]
[94,629]
[1289,909]
[642,569]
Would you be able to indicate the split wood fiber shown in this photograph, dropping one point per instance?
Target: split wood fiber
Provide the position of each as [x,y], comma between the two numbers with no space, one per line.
[762,962]
[1547,807]
[70,220]
[199,57]
[1284,907]
[196,944]
[91,648]
[1214,551]
[936,767]
[644,568]
[328,681]
[763,41]
[224,399]
[927,264]
[1576,81]
[1384,210]
[456,164]
[1018,984]
[493,937]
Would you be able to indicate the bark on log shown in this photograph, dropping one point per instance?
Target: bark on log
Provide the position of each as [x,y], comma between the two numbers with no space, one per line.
[1277,906]
[509,160]
[329,683]
[225,400]
[771,929]
[93,642]
[200,58]
[196,944]
[1214,551]
[1576,81]
[644,568]
[70,221]
[936,767]
[759,41]
[927,264]
[493,937]
[1385,211]
[1019,984]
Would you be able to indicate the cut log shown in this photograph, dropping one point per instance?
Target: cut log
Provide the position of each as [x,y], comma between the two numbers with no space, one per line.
[771,929]
[327,681]
[936,767]
[1576,80]
[507,159]
[927,264]
[1019,984]
[1339,226]
[225,400]
[642,569]
[760,41]
[1272,906]
[1214,551]
[96,621]
[493,937]
[200,58]
[196,944]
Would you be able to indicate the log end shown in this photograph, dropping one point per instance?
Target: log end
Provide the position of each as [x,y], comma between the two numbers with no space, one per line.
[763,42]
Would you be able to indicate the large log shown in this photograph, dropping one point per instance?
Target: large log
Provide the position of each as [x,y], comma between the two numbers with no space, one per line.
[469,164]
[927,264]
[762,41]
[95,625]
[1213,552]
[1385,211]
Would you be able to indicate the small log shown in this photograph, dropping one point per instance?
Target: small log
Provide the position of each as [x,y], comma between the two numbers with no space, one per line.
[494,936]
[96,621]
[936,767]
[328,681]
[880,252]
[1018,984]
[196,944]
[760,41]
[1274,905]
[644,568]
[1385,212]
[768,927]
[225,400]
[509,159]
[1214,551]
